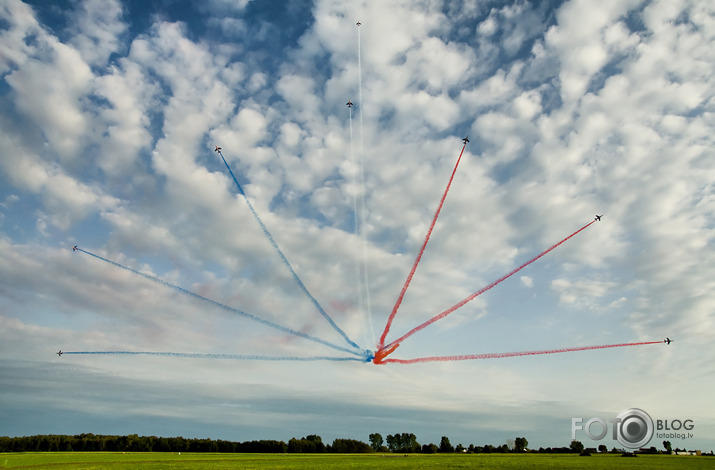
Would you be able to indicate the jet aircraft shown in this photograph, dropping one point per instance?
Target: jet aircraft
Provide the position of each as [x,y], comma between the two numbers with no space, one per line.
[358,23]
[598,217]
[667,340]
[59,353]
[74,248]
[466,139]
[349,104]
[218,149]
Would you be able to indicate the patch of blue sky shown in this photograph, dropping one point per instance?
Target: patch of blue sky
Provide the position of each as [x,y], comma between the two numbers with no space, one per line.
[20,217]
[288,20]
[503,172]
[268,30]
[53,15]
[610,69]
[634,20]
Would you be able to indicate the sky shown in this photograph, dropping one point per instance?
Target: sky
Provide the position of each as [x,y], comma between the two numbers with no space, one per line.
[109,115]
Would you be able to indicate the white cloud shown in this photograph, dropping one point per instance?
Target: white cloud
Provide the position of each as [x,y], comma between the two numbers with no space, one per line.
[17,42]
[49,87]
[66,199]
[227,5]
[581,293]
[579,40]
[488,26]
[97,27]
[132,98]
[597,119]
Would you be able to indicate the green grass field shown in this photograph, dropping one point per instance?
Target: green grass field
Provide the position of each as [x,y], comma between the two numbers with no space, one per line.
[102,460]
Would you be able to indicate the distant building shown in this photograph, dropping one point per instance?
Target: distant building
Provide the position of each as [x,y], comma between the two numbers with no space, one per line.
[688,452]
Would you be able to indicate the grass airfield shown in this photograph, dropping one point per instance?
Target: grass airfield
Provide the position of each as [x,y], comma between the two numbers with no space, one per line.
[158,460]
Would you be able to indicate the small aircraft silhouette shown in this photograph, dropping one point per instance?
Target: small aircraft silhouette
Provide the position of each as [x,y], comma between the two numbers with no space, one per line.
[667,340]
[349,104]
[218,149]
[74,248]
[466,139]
[358,23]
[598,217]
[59,353]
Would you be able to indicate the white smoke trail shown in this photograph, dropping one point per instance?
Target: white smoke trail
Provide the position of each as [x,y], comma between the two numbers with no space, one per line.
[356,221]
[363,213]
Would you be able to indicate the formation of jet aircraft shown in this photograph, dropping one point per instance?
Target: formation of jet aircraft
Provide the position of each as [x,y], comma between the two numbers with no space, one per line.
[350,105]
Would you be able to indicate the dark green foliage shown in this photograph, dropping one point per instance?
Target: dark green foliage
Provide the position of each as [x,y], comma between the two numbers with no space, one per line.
[349,446]
[430,449]
[311,444]
[445,446]
[133,443]
[520,444]
[405,443]
[576,447]
[668,447]
[376,441]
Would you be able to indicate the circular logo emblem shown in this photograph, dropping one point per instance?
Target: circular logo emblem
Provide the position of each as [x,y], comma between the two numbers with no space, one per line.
[635,429]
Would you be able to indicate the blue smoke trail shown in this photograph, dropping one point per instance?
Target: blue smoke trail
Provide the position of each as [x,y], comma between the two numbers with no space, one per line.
[245,357]
[226,307]
[285,261]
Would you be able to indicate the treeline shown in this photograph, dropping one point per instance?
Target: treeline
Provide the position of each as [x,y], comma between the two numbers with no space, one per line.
[404,443]
[135,443]
[397,443]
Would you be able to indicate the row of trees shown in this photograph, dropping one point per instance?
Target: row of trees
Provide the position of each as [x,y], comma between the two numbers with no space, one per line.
[406,443]
[399,443]
[135,443]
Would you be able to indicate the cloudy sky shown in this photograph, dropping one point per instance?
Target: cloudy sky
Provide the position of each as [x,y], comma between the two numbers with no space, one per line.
[109,114]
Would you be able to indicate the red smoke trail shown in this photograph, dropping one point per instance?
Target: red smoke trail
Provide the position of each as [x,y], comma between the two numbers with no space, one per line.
[380,355]
[470,357]
[381,345]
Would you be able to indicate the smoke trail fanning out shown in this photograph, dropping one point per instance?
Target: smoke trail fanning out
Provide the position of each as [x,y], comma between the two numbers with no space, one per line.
[244,357]
[381,345]
[470,357]
[476,294]
[269,323]
[286,262]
